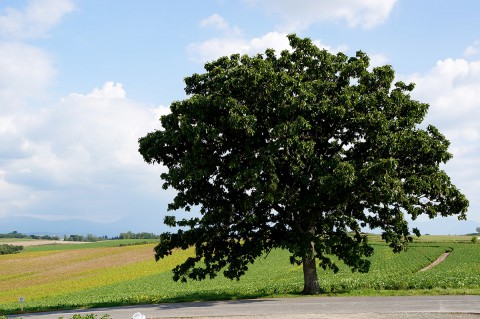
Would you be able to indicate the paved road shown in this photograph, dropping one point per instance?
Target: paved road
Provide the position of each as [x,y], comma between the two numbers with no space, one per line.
[296,308]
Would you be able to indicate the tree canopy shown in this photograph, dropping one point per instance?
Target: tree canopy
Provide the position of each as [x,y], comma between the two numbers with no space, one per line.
[300,150]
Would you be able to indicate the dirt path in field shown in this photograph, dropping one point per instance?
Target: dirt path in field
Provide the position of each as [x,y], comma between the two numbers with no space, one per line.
[436,262]
[40,242]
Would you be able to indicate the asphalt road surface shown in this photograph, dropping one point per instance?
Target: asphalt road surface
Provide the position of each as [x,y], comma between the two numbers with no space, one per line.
[418,307]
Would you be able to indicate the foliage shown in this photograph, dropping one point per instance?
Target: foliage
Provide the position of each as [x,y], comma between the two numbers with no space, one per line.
[9,249]
[16,234]
[474,239]
[142,235]
[88,238]
[300,151]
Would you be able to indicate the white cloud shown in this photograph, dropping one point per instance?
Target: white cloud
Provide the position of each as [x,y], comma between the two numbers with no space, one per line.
[233,41]
[104,124]
[452,88]
[109,90]
[473,49]
[214,48]
[35,20]
[26,72]
[80,157]
[7,125]
[378,59]
[466,134]
[73,158]
[219,23]
[356,13]
[11,201]
[216,21]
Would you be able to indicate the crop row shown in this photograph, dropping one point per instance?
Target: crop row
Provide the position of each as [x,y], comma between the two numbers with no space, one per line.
[102,277]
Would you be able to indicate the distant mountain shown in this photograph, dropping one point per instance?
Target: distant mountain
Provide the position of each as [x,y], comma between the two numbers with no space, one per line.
[36,226]
[437,226]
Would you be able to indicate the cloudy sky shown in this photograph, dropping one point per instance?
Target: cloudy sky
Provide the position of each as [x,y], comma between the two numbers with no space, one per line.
[82,80]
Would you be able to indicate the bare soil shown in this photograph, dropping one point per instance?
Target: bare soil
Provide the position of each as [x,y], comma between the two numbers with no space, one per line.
[436,262]
[40,242]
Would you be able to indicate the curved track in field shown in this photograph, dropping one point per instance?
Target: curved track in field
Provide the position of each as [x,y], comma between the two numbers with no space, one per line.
[436,262]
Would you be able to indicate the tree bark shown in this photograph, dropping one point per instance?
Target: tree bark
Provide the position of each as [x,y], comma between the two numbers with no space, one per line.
[310,279]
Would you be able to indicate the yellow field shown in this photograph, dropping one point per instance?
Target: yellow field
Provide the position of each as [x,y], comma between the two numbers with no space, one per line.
[43,274]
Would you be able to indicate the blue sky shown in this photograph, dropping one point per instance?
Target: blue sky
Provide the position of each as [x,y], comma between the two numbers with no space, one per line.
[82,80]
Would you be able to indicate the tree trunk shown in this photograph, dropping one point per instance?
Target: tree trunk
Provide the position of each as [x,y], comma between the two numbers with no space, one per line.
[310,279]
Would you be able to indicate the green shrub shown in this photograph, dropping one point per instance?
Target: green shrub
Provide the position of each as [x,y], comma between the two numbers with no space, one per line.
[9,249]
[474,239]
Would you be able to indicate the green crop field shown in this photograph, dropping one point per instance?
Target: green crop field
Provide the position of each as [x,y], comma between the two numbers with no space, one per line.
[118,273]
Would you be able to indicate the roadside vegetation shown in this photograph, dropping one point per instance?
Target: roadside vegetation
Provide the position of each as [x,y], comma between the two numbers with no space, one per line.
[120,272]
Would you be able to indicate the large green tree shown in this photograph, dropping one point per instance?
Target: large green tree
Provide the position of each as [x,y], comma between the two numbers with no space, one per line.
[298,151]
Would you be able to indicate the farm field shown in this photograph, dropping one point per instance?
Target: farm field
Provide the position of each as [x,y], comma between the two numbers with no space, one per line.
[118,273]
[10,240]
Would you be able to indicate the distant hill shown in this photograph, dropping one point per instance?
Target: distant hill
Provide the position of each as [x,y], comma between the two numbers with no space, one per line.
[437,226]
[34,226]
